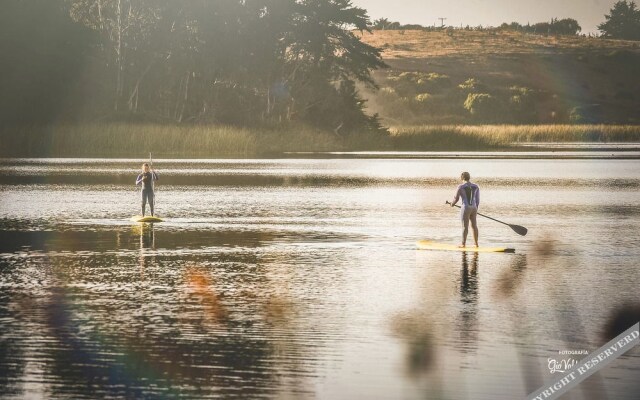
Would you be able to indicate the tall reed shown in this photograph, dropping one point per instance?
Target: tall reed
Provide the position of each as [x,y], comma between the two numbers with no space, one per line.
[478,137]
[130,140]
[125,140]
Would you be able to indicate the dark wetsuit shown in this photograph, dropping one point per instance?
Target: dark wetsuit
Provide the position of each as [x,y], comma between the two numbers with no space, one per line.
[146,179]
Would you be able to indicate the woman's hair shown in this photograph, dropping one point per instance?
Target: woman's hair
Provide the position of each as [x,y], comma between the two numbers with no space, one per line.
[465,176]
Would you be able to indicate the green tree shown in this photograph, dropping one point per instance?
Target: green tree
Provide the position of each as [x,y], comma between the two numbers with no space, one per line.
[566,26]
[125,27]
[228,61]
[324,56]
[381,23]
[623,22]
[43,56]
[522,104]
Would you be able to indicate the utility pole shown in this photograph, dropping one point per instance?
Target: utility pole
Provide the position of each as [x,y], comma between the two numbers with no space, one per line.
[441,22]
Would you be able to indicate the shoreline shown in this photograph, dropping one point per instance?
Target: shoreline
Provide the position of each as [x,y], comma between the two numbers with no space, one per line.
[505,154]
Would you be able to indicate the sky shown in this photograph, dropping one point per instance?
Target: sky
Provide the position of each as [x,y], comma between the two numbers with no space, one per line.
[588,13]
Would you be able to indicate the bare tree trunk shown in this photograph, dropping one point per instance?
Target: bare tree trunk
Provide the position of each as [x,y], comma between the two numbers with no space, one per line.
[100,17]
[133,99]
[266,114]
[186,96]
[118,53]
[177,105]
[291,109]
[181,102]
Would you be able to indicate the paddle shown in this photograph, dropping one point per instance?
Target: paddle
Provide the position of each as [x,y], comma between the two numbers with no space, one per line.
[151,166]
[520,230]
[153,184]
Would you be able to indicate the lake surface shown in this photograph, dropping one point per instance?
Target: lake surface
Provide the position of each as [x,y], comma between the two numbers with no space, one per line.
[299,278]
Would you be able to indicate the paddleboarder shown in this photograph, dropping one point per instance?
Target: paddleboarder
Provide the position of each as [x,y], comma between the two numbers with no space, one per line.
[146,178]
[469,193]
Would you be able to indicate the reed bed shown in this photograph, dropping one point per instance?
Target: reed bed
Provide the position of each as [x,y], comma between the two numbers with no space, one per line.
[130,140]
[481,137]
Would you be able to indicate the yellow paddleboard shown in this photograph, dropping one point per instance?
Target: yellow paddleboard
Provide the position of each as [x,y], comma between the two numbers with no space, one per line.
[140,218]
[429,245]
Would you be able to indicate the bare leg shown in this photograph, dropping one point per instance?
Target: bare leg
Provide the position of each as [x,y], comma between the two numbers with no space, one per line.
[464,214]
[474,225]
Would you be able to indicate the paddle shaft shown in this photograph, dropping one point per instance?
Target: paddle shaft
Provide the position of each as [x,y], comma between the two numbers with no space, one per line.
[520,230]
[486,216]
[153,185]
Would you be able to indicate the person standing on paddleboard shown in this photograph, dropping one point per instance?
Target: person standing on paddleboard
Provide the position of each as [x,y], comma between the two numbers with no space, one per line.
[469,193]
[146,178]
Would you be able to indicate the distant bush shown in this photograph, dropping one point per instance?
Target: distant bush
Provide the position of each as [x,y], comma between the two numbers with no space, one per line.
[433,81]
[482,106]
[576,116]
[385,24]
[412,27]
[395,106]
[473,85]
[423,97]
[566,26]
[522,104]
[387,91]
[414,83]
[588,114]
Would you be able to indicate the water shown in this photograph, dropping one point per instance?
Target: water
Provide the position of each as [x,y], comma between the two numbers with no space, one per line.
[300,279]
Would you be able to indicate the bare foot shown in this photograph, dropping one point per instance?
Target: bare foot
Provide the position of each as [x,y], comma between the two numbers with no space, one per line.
[462,246]
[476,244]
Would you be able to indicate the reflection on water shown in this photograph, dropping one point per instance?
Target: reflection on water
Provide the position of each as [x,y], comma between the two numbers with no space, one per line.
[147,237]
[147,242]
[469,298]
[299,279]
[469,279]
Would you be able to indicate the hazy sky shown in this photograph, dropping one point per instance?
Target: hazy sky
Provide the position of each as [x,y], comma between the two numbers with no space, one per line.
[588,13]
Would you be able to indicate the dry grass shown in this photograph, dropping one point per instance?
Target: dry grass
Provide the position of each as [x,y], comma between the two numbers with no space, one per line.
[479,137]
[421,44]
[129,140]
[122,140]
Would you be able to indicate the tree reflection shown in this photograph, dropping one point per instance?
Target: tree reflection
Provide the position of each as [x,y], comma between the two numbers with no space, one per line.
[205,339]
[88,361]
[12,357]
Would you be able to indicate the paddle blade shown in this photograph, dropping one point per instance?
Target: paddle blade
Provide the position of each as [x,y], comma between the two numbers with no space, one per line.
[520,230]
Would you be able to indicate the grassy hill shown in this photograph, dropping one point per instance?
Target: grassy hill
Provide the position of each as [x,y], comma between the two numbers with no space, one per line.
[504,77]
[445,90]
